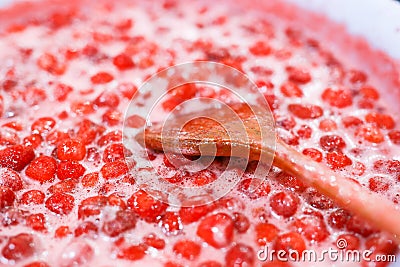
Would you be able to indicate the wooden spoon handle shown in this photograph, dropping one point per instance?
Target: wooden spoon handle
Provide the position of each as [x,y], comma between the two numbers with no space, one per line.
[373,208]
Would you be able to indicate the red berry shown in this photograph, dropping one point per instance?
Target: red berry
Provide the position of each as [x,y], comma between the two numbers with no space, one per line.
[60,203]
[7,197]
[101,78]
[112,117]
[33,197]
[387,166]
[395,137]
[88,131]
[81,108]
[153,241]
[383,121]
[128,90]
[352,241]
[37,264]
[265,233]
[146,206]
[339,98]
[261,188]
[379,184]
[112,170]
[86,228]
[43,125]
[290,241]
[36,222]
[332,143]
[356,76]
[187,249]
[241,222]
[338,160]
[123,62]
[351,121]
[132,253]
[91,206]
[298,75]
[240,255]
[306,111]
[49,63]
[311,227]
[313,153]
[90,179]
[327,125]
[381,244]
[284,203]
[107,99]
[171,223]
[10,178]
[65,186]
[33,140]
[124,220]
[42,169]
[369,92]
[70,169]
[71,149]
[317,200]
[203,177]
[61,91]
[291,182]
[304,131]
[77,253]
[260,48]
[338,219]
[291,89]
[193,214]
[216,230]
[370,133]
[16,157]
[19,247]
[113,152]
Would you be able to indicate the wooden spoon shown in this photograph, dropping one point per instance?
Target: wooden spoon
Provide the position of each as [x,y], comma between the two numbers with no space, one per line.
[201,132]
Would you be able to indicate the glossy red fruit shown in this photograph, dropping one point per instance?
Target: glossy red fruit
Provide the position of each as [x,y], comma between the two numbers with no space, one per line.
[240,255]
[90,179]
[216,230]
[318,200]
[284,203]
[37,264]
[379,184]
[241,222]
[171,223]
[132,253]
[16,157]
[36,222]
[123,62]
[107,99]
[187,249]
[193,214]
[383,121]
[124,220]
[153,241]
[60,203]
[338,160]
[313,153]
[19,247]
[387,166]
[71,149]
[202,177]
[291,182]
[291,89]
[32,197]
[61,91]
[64,186]
[42,169]
[298,75]
[290,241]
[43,125]
[332,143]
[338,219]
[306,111]
[91,206]
[88,131]
[265,233]
[339,98]
[146,206]
[102,78]
[7,197]
[113,152]
[115,169]
[395,137]
[352,242]
[70,169]
[311,227]
[260,48]
[87,227]
[10,178]
[257,190]
[351,121]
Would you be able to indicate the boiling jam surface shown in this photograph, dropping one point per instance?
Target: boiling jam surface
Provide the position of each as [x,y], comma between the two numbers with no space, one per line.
[66,78]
